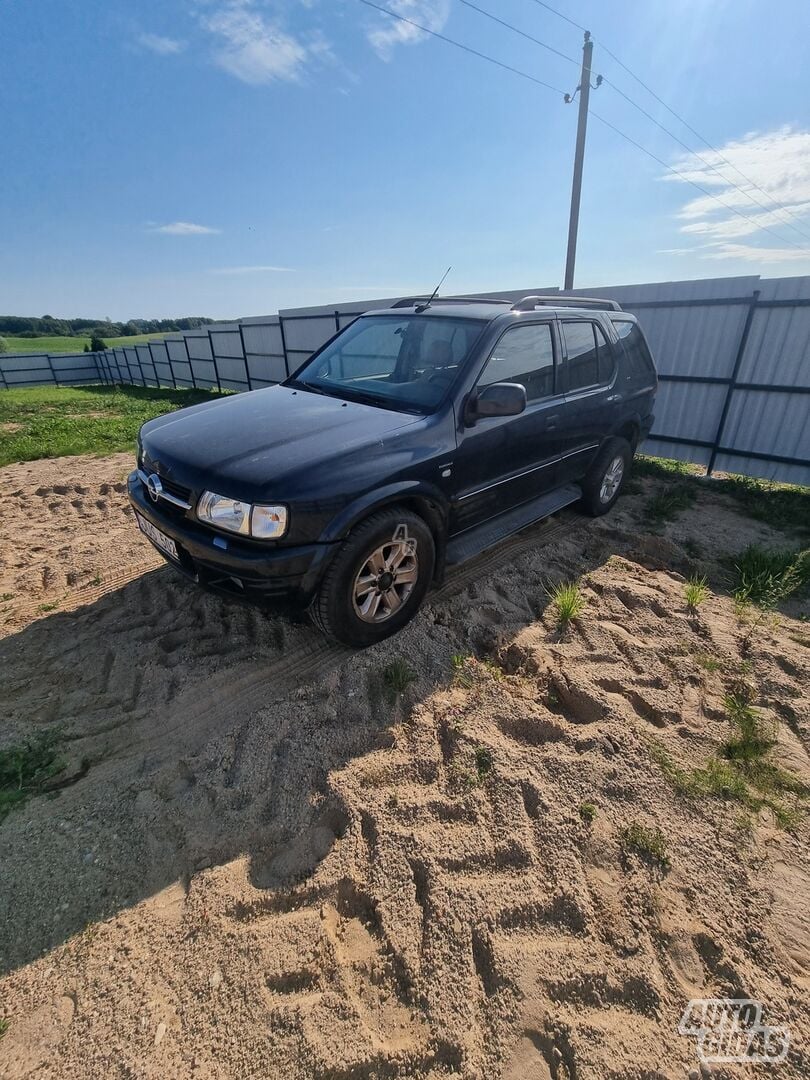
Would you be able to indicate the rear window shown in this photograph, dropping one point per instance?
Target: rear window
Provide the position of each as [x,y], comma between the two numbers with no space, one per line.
[637,354]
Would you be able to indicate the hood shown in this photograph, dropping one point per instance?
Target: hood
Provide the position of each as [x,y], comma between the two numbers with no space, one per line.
[249,445]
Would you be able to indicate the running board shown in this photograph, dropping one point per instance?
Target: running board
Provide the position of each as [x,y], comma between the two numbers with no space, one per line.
[472,542]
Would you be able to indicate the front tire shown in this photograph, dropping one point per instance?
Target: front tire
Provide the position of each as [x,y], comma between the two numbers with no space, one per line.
[603,484]
[377,581]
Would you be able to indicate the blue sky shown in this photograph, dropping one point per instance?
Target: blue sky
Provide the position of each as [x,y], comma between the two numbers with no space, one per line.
[230,157]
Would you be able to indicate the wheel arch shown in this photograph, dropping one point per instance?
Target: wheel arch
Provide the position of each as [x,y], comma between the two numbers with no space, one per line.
[629,430]
[425,500]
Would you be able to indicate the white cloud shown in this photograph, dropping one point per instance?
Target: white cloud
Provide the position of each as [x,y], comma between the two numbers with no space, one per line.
[432,14]
[183,228]
[255,48]
[163,46]
[778,163]
[254,270]
[749,253]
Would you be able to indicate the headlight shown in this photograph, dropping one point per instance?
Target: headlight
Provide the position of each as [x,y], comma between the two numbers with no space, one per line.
[262,522]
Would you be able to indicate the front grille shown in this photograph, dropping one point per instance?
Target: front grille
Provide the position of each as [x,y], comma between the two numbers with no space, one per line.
[171,491]
[177,490]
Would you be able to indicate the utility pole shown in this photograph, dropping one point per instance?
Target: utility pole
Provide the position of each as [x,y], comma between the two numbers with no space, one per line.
[579,156]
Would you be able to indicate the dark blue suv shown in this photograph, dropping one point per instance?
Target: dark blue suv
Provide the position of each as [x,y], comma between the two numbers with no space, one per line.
[414,439]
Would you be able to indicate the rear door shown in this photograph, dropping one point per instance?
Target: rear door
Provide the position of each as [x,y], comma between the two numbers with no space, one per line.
[588,376]
[503,461]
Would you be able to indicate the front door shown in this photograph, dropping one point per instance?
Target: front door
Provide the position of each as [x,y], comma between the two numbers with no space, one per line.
[503,461]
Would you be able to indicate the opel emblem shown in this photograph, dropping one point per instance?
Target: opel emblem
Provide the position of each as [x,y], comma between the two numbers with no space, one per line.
[154,487]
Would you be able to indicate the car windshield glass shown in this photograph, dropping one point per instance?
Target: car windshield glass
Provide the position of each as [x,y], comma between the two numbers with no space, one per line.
[397,361]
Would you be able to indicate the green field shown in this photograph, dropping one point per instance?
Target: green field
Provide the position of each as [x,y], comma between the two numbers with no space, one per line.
[68,344]
[54,421]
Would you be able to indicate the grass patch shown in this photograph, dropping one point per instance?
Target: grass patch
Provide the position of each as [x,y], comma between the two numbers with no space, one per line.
[695,591]
[55,421]
[766,576]
[753,737]
[708,663]
[667,504]
[651,844]
[741,773]
[567,601]
[664,468]
[783,506]
[55,344]
[468,670]
[395,678]
[25,770]
[587,811]
[483,762]
[463,670]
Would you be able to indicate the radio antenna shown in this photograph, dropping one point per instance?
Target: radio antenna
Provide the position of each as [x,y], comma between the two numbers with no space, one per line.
[435,291]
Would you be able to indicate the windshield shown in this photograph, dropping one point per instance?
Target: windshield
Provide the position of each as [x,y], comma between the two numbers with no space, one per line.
[398,361]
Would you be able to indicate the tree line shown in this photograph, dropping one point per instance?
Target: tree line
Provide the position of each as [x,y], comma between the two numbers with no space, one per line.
[49,326]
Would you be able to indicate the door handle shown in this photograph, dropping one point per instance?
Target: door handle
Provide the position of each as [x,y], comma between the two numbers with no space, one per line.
[551,421]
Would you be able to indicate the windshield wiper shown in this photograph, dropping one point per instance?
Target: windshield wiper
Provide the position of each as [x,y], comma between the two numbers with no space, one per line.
[298,385]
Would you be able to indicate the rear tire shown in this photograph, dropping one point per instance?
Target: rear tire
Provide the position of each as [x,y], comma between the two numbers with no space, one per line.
[377,581]
[603,484]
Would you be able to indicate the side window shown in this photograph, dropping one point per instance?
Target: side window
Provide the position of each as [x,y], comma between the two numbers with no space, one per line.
[582,360]
[639,361]
[606,356]
[523,355]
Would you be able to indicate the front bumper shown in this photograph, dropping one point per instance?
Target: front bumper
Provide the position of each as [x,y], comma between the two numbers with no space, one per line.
[261,574]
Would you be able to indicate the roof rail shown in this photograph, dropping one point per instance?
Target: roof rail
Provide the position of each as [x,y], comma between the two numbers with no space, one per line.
[529,303]
[409,301]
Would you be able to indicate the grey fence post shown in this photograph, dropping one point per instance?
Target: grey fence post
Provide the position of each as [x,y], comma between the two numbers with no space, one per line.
[53,370]
[214,358]
[244,357]
[284,344]
[154,363]
[188,357]
[732,386]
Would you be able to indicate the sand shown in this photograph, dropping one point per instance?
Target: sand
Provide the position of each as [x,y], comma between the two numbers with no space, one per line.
[266,866]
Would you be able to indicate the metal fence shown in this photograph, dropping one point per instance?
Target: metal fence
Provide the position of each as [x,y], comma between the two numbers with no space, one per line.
[733,356]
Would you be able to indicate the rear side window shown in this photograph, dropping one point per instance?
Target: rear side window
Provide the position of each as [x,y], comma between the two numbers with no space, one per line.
[523,355]
[582,359]
[637,354]
[589,358]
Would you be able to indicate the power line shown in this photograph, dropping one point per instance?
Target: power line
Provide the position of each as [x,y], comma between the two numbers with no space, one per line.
[465,48]
[560,15]
[775,208]
[768,209]
[694,183]
[607,123]
[643,111]
[522,33]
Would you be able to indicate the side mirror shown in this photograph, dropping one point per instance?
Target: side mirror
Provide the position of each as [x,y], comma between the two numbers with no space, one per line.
[497,399]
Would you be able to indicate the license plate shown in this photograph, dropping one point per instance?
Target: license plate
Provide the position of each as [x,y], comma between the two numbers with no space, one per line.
[159,539]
